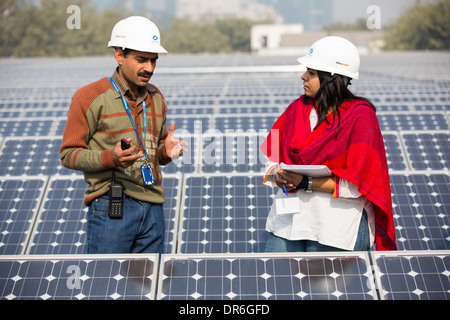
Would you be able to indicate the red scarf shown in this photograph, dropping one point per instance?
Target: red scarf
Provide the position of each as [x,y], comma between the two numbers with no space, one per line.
[356,154]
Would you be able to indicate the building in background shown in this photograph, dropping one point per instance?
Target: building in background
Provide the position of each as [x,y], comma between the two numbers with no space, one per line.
[312,14]
[290,39]
[268,38]
[251,9]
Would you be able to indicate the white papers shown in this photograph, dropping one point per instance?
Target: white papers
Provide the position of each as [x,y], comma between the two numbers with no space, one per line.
[287,205]
[308,170]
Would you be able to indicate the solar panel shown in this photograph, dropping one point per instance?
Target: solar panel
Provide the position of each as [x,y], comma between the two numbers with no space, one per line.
[389,107]
[428,150]
[61,224]
[413,275]
[216,206]
[32,127]
[224,213]
[32,156]
[191,124]
[252,108]
[260,276]
[254,122]
[394,153]
[233,152]
[412,121]
[90,277]
[197,109]
[421,204]
[19,204]
[191,160]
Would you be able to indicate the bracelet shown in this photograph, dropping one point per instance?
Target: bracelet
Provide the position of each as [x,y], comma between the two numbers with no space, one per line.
[309,188]
[304,183]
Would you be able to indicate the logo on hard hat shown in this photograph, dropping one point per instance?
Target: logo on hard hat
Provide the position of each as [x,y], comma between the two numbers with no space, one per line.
[311,51]
[155,37]
[342,64]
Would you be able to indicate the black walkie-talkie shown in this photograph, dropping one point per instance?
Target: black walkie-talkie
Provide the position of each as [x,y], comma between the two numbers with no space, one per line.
[116,199]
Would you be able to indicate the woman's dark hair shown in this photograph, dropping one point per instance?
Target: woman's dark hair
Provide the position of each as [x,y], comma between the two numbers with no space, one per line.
[332,93]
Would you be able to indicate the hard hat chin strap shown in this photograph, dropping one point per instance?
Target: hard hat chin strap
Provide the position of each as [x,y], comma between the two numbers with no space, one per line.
[325,83]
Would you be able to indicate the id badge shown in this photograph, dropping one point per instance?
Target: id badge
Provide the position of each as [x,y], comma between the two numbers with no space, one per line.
[147,174]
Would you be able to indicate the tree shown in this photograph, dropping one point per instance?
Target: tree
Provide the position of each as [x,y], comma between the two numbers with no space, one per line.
[41,30]
[421,27]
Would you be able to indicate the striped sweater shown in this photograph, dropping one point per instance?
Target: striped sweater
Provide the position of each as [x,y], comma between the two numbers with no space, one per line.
[97,121]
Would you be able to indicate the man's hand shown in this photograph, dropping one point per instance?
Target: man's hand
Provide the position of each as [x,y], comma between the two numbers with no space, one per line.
[125,158]
[174,148]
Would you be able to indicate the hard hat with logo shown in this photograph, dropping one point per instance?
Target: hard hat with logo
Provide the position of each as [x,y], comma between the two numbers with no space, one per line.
[136,33]
[335,55]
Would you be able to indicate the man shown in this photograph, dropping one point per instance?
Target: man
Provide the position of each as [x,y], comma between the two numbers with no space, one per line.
[125,196]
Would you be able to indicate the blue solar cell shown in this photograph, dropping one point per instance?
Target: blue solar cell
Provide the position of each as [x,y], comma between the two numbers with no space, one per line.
[260,277]
[78,277]
[190,161]
[223,213]
[394,153]
[256,122]
[412,121]
[19,203]
[421,203]
[190,125]
[189,110]
[233,152]
[25,128]
[413,275]
[428,150]
[61,224]
[32,156]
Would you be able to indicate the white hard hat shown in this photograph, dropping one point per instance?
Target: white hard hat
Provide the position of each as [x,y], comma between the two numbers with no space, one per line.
[136,33]
[335,55]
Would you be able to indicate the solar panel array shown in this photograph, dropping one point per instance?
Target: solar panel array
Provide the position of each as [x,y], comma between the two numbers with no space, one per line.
[216,205]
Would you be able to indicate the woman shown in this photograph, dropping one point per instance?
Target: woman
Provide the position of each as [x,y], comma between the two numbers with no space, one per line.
[351,208]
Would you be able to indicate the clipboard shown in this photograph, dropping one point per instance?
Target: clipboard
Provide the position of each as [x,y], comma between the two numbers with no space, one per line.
[314,171]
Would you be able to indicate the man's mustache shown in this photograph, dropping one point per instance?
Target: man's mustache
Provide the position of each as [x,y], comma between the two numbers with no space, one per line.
[145,74]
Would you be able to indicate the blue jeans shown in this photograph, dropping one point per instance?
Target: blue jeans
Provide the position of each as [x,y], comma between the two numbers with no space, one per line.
[277,244]
[141,230]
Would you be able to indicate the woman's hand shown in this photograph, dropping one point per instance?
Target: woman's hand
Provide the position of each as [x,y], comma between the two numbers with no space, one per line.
[290,179]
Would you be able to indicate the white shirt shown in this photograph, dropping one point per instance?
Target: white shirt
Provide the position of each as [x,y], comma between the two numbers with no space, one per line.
[318,216]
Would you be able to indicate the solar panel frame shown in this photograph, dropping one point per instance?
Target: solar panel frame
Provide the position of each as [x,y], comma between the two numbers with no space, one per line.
[259,276]
[79,277]
[412,275]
